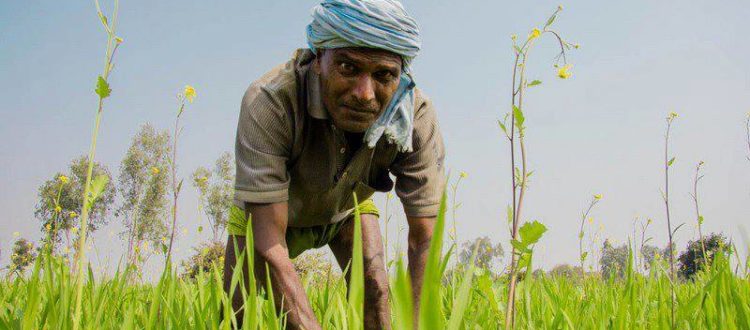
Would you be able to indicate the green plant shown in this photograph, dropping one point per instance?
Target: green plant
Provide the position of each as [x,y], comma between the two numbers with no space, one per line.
[215,191]
[188,94]
[515,132]
[93,188]
[585,215]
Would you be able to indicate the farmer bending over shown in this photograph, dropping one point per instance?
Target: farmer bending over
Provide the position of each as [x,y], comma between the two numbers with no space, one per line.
[337,119]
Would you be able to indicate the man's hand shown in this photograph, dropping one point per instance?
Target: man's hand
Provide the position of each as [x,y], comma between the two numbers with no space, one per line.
[269,223]
[420,235]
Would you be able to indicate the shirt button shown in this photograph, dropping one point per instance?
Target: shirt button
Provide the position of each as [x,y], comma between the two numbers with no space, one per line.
[343,150]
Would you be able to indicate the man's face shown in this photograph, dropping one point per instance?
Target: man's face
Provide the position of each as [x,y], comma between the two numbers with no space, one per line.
[357,84]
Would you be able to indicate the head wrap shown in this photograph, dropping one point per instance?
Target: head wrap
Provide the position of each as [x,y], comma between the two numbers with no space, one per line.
[382,24]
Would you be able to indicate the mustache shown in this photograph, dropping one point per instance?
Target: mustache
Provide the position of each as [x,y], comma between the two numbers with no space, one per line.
[361,106]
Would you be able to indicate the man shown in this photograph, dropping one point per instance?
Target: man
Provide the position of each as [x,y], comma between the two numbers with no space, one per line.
[334,121]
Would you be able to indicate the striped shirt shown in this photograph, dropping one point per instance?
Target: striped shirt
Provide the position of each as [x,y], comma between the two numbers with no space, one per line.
[287,149]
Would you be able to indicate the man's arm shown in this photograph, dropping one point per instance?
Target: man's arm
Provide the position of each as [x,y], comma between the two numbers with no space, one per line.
[269,223]
[420,235]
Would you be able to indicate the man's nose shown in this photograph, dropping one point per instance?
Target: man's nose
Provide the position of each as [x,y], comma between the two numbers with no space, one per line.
[364,90]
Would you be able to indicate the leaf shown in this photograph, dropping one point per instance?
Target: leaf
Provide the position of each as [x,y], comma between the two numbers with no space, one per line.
[520,246]
[518,116]
[96,189]
[534,83]
[531,232]
[179,187]
[502,126]
[700,220]
[102,88]
[670,162]
[550,20]
[584,255]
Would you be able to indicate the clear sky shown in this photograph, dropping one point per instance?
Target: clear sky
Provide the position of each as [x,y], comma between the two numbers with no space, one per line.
[599,132]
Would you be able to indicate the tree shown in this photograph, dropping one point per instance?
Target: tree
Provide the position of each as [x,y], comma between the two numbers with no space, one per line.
[486,252]
[22,255]
[144,185]
[215,190]
[61,199]
[614,260]
[567,271]
[206,257]
[692,260]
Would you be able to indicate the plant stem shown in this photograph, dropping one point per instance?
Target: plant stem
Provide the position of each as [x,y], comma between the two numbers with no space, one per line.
[669,223]
[109,54]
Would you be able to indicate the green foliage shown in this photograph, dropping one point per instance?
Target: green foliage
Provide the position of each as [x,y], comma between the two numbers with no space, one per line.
[102,88]
[692,260]
[530,233]
[216,189]
[22,255]
[486,252]
[71,197]
[143,186]
[205,258]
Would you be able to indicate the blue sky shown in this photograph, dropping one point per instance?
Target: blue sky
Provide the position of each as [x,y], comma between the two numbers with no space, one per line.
[599,132]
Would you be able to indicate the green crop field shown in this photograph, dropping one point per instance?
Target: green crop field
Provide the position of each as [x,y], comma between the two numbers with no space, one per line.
[636,286]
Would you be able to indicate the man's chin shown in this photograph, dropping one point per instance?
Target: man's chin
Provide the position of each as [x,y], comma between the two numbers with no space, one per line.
[353,126]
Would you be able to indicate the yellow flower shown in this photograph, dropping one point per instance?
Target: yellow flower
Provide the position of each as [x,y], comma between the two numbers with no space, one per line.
[649,221]
[154,170]
[591,220]
[164,239]
[16,234]
[563,72]
[58,209]
[463,175]
[75,230]
[513,37]
[63,179]
[48,227]
[598,196]
[559,7]
[672,115]
[118,40]
[534,33]
[73,214]
[189,93]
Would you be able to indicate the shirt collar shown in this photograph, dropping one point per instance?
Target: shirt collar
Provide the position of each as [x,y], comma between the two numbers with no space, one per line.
[314,97]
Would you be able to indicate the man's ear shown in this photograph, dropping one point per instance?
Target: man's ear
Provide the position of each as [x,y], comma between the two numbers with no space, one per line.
[318,58]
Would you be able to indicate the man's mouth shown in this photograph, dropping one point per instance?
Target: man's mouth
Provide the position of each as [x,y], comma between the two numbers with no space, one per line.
[359,113]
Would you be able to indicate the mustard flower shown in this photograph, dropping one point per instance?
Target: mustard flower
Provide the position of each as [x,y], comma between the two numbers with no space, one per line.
[563,72]
[535,33]
[189,93]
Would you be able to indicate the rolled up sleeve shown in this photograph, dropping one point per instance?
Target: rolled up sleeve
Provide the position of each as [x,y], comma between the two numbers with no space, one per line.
[420,173]
[262,149]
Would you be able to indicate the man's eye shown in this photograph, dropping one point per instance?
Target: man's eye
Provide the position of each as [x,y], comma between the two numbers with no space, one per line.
[386,76]
[346,68]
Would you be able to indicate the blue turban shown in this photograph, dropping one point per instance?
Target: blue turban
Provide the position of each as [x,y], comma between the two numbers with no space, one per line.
[382,24]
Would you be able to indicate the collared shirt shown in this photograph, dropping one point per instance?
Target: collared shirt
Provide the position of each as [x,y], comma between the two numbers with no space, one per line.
[287,149]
